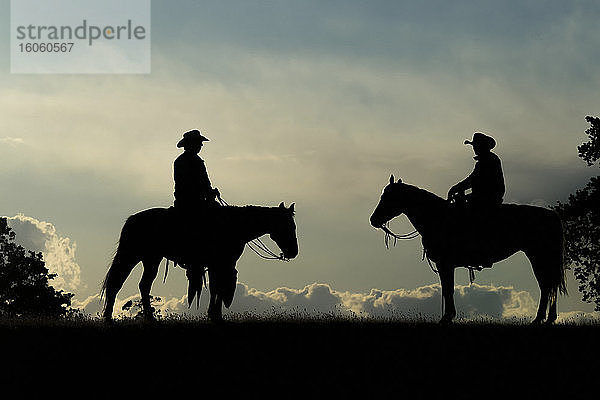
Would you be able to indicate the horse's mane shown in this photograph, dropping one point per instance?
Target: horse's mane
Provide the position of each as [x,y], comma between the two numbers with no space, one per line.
[251,207]
[235,212]
[425,196]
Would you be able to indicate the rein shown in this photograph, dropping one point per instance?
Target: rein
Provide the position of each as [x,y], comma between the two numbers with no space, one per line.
[257,245]
[408,236]
[389,233]
[413,235]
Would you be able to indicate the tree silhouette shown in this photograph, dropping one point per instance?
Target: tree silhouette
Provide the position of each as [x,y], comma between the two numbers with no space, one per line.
[581,218]
[24,282]
[590,151]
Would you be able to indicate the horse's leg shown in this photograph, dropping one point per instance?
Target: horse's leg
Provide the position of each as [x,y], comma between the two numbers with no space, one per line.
[109,304]
[150,271]
[552,313]
[446,273]
[556,264]
[215,307]
[543,305]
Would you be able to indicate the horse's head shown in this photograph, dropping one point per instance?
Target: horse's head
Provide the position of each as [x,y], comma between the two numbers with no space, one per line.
[283,231]
[390,204]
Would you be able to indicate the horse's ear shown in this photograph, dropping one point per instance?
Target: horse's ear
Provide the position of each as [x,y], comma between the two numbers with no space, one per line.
[281,205]
[391,178]
[399,180]
[292,207]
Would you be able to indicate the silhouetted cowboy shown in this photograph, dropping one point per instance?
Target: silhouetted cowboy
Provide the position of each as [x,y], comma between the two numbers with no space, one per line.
[194,196]
[487,180]
[193,190]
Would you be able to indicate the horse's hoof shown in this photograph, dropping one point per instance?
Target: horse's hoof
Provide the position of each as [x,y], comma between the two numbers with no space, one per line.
[215,317]
[537,321]
[552,317]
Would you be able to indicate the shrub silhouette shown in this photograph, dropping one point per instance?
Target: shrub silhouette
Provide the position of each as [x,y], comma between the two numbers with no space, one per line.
[24,282]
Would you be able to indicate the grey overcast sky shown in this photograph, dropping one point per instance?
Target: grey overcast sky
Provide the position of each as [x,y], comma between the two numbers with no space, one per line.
[312,102]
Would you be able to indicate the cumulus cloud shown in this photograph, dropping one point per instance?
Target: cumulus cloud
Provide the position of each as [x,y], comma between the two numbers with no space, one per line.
[58,251]
[472,301]
[318,299]
[11,141]
[88,306]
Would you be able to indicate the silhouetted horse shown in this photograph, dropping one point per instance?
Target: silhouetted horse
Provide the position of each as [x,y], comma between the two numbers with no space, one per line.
[456,237]
[149,236]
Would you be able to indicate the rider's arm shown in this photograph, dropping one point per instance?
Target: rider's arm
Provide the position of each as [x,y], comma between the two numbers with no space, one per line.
[460,186]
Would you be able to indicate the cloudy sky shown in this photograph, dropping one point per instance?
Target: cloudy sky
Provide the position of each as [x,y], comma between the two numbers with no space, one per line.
[315,103]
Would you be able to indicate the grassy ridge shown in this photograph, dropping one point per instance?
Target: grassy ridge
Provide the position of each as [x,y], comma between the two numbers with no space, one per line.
[333,354]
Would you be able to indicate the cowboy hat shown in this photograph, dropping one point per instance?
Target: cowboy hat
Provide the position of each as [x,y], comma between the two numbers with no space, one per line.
[191,137]
[483,140]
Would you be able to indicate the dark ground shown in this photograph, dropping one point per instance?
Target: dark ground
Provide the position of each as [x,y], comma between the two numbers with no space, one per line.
[305,358]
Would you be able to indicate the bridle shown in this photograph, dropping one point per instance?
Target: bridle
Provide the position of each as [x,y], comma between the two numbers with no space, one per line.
[388,233]
[257,245]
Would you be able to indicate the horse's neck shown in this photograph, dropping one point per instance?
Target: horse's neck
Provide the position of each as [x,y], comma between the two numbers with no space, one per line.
[253,221]
[425,211]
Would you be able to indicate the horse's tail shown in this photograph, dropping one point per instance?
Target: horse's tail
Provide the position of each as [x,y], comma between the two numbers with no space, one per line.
[110,273]
[121,265]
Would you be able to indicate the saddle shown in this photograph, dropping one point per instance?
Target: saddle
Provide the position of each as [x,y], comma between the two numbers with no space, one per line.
[475,220]
[192,231]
